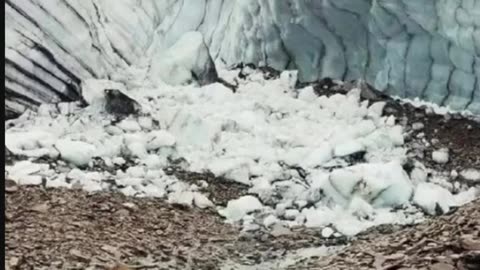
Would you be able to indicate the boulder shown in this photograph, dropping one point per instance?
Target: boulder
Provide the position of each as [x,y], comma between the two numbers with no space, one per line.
[120,104]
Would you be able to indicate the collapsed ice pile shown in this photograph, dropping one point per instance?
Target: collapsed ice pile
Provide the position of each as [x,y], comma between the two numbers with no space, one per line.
[313,161]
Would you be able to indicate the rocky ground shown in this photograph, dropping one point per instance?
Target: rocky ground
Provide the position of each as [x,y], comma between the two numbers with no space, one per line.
[73,229]
[444,243]
[65,229]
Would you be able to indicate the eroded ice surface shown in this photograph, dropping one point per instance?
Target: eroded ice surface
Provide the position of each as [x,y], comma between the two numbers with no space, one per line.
[428,49]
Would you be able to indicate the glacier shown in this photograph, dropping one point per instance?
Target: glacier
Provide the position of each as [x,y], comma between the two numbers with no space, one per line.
[428,49]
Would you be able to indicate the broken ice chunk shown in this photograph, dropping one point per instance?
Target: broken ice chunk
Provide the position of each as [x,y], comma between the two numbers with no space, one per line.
[440,156]
[433,199]
[76,152]
[237,209]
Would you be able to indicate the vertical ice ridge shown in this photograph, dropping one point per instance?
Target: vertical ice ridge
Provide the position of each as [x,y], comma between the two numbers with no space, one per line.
[428,49]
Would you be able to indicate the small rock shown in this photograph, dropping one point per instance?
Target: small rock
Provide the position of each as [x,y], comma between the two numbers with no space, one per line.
[419,114]
[118,103]
[442,266]
[417,126]
[112,250]
[14,262]
[40,208]
[130,206]
[122,213]
[79,255]
[468,242]
[369,92]
[120,267]
[439,210]
[10,186]
[326,83]
[59,201]
[440,156]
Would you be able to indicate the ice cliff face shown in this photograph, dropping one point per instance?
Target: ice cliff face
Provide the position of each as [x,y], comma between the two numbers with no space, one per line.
[426,48]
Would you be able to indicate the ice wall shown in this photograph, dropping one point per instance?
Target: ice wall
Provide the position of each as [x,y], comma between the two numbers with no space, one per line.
[411,48]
